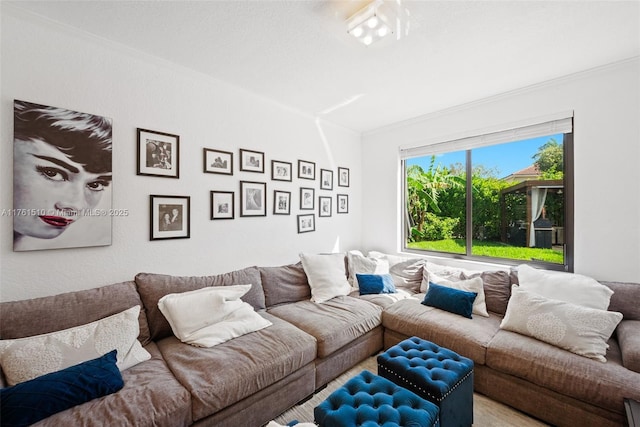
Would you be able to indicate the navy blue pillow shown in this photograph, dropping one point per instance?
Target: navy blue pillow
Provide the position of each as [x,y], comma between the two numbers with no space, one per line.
[31,401]
[449,299]
[375,284]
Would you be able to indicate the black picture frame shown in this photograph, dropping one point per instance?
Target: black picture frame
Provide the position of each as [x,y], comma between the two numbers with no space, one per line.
[217,161]
[324,206]
[251,161]
[169,217]
[306,223]
[306,170]
[158,154]
[281,171]
[222,205]
[253,198]
[343,177]
[307,198]
[326,179]
[281,202]
[342,203]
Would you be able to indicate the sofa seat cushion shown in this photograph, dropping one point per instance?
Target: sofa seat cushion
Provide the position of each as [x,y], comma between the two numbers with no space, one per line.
[467,337]
[220,376]
[384,300]
[599,384]
[334,323]
[151,396]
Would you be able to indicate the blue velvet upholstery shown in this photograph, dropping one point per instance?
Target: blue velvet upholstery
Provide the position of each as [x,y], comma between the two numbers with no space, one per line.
[435,373]
[368,400]
[26,403]
[370,284]
[450,299]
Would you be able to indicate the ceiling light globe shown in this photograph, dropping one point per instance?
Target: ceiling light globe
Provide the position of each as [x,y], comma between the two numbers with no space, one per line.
[383,31]
[372,22]
[367,40]
[357,31]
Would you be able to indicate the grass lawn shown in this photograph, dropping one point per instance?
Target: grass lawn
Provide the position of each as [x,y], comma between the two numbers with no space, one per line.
[490,249]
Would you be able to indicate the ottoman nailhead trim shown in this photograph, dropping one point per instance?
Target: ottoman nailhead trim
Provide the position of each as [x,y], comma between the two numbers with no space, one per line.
[438,399]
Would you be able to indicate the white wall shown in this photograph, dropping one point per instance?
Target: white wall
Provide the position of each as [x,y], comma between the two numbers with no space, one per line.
[606,104]
[45,63]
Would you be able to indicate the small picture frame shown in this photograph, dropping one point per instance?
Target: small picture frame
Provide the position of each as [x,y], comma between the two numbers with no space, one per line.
[251,161]
[169,217]
[306,223]
[281,202]
[253,198]
[222,204]
[343,177]
[307,198]
[324,206]
[281,171]
[342,203]
[158,154]
[306,170]
[217,161]
[326,179]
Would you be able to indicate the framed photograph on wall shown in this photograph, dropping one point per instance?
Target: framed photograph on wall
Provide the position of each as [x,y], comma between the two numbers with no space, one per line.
[306,223]
[158,154]
[217,161]
[307,198]
[169,217]
[253,198]
[326,179]
[251,161]
[324,206]
[62,174]
[281,202]
[343,177]
[222,204]
[306,170]
[343,203]
[281,171]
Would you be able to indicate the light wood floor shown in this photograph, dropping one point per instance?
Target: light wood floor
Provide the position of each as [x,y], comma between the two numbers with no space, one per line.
[486,412]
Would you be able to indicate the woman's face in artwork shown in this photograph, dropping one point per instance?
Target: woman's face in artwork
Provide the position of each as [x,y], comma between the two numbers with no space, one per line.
[52,190]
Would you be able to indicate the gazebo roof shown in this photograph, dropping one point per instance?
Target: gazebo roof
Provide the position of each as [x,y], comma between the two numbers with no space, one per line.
[534,183]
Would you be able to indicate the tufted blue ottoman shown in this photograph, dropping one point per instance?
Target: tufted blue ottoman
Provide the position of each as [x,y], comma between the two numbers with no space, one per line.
[368,400]
[435,373]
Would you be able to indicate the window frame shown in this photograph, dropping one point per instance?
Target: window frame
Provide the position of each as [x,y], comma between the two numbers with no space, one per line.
[568,181]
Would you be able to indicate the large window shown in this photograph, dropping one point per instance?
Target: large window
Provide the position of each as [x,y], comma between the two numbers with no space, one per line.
[505,196]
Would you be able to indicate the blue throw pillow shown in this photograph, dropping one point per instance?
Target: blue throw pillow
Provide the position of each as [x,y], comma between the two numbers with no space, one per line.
[449,299]
[375,284]
[31,401]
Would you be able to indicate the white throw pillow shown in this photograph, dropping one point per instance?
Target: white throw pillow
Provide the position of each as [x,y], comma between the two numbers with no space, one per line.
[23,359]
[568,287]
[326,275]
[578,329]
[470,285]
[407,272]
[357,263]
[210,316]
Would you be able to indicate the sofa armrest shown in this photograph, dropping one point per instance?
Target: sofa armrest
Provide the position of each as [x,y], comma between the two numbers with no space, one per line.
[628,332]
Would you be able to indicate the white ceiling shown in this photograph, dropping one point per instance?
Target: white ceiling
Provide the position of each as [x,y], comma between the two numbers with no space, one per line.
[299,54]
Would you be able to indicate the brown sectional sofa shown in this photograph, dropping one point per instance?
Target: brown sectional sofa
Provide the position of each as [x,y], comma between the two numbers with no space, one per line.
[253,378]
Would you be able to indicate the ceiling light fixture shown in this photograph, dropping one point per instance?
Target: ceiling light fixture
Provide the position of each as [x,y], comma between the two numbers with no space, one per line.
[369,24]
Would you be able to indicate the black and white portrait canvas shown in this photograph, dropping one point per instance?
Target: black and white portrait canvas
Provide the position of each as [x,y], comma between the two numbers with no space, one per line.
[62,176]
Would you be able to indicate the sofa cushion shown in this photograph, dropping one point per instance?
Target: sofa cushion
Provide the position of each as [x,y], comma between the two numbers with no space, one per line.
[210,316]
[497,289]
[53,313]
[220,376]
[23,359]
[407,272]
[467,337]
[625,299]
[284,284]
[628,333]
[473,285]
[151,396]
[326,274]
[357,263]
[371,284]
[383,300]
[600,384]
[450,299]
[581,330]
[41,397]
[334,323]
[152,287]
[568,287]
